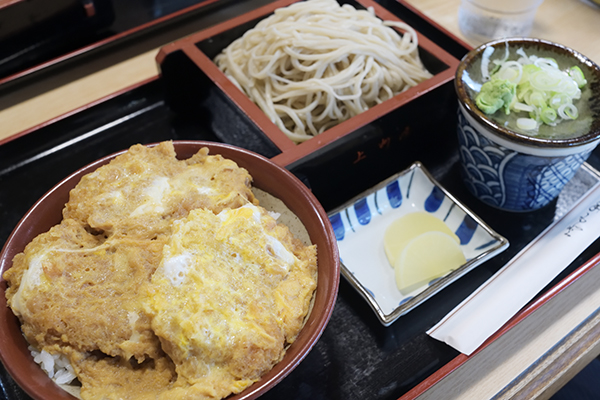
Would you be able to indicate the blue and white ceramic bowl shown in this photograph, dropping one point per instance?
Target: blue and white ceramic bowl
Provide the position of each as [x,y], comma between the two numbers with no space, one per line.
[510,170]
[360,224]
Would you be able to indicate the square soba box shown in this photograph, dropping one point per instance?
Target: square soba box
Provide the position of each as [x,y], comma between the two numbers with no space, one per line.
[196,85]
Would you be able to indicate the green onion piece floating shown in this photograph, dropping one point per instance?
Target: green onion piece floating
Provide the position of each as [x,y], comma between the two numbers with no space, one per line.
[548,115]
[568,111]
[527,124]
[577,74]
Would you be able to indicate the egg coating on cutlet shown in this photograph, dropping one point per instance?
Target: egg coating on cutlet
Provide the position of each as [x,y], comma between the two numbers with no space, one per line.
[118,379]
[143,190]
[221,301]
[81,291]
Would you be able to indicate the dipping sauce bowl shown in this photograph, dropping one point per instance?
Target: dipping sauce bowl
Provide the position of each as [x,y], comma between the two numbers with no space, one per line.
[513,170]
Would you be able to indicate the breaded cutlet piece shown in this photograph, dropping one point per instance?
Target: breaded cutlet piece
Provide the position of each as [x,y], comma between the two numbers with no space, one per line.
[143,190]
[230,294]
[73,289]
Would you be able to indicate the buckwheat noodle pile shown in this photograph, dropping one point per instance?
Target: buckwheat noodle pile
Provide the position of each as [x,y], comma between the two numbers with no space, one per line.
[314,64]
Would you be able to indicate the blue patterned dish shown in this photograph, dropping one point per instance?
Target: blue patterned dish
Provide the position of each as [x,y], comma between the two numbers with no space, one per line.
[511,170]
[359,226]
[509,179]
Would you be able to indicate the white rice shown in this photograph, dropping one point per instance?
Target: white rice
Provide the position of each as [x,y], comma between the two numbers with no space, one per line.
[56,366]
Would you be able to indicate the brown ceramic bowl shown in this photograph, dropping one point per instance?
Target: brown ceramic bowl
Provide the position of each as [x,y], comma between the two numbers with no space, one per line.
[268,177]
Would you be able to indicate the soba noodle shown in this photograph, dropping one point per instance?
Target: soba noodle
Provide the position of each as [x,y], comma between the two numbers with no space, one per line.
[314,64]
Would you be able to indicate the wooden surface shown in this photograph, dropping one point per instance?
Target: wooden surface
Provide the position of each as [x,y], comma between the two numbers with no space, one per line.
[573,23]
[535,358]
[55,102]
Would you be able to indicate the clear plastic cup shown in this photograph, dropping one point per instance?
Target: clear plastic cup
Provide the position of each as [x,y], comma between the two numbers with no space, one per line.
[484,20]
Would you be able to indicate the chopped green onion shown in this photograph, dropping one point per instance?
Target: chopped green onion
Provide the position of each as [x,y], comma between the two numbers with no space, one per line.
[527,124]
[528,69]
[533,85]
[510,71]
[577,74]
[537,99]
[545,62]
[485,62]
[518,106]
[558,100]
[568,111]
[546,80]
[548,115]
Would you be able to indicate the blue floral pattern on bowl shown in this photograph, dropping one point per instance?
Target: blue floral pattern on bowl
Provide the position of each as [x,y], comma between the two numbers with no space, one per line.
[508,179]
[359,226]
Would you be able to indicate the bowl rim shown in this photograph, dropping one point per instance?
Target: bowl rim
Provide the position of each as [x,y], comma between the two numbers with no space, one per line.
[508,134]
[30,377]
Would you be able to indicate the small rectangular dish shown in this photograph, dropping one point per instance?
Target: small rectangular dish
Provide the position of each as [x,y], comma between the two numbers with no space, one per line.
[360,225]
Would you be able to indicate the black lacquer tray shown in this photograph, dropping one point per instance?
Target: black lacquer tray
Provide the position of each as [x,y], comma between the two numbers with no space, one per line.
[38,38]
[356,357]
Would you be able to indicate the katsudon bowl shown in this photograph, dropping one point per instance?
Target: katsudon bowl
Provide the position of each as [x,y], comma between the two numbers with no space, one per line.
[268,177]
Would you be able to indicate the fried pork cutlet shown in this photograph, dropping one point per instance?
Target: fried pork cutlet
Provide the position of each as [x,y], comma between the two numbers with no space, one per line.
[109,244]
[230,293]
[143,190]
[67,270]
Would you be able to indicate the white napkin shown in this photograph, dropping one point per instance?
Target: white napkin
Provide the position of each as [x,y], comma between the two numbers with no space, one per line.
[488,308]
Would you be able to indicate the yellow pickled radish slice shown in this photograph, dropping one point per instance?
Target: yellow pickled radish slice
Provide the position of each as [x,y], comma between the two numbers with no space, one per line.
[426,257]
[406,228]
